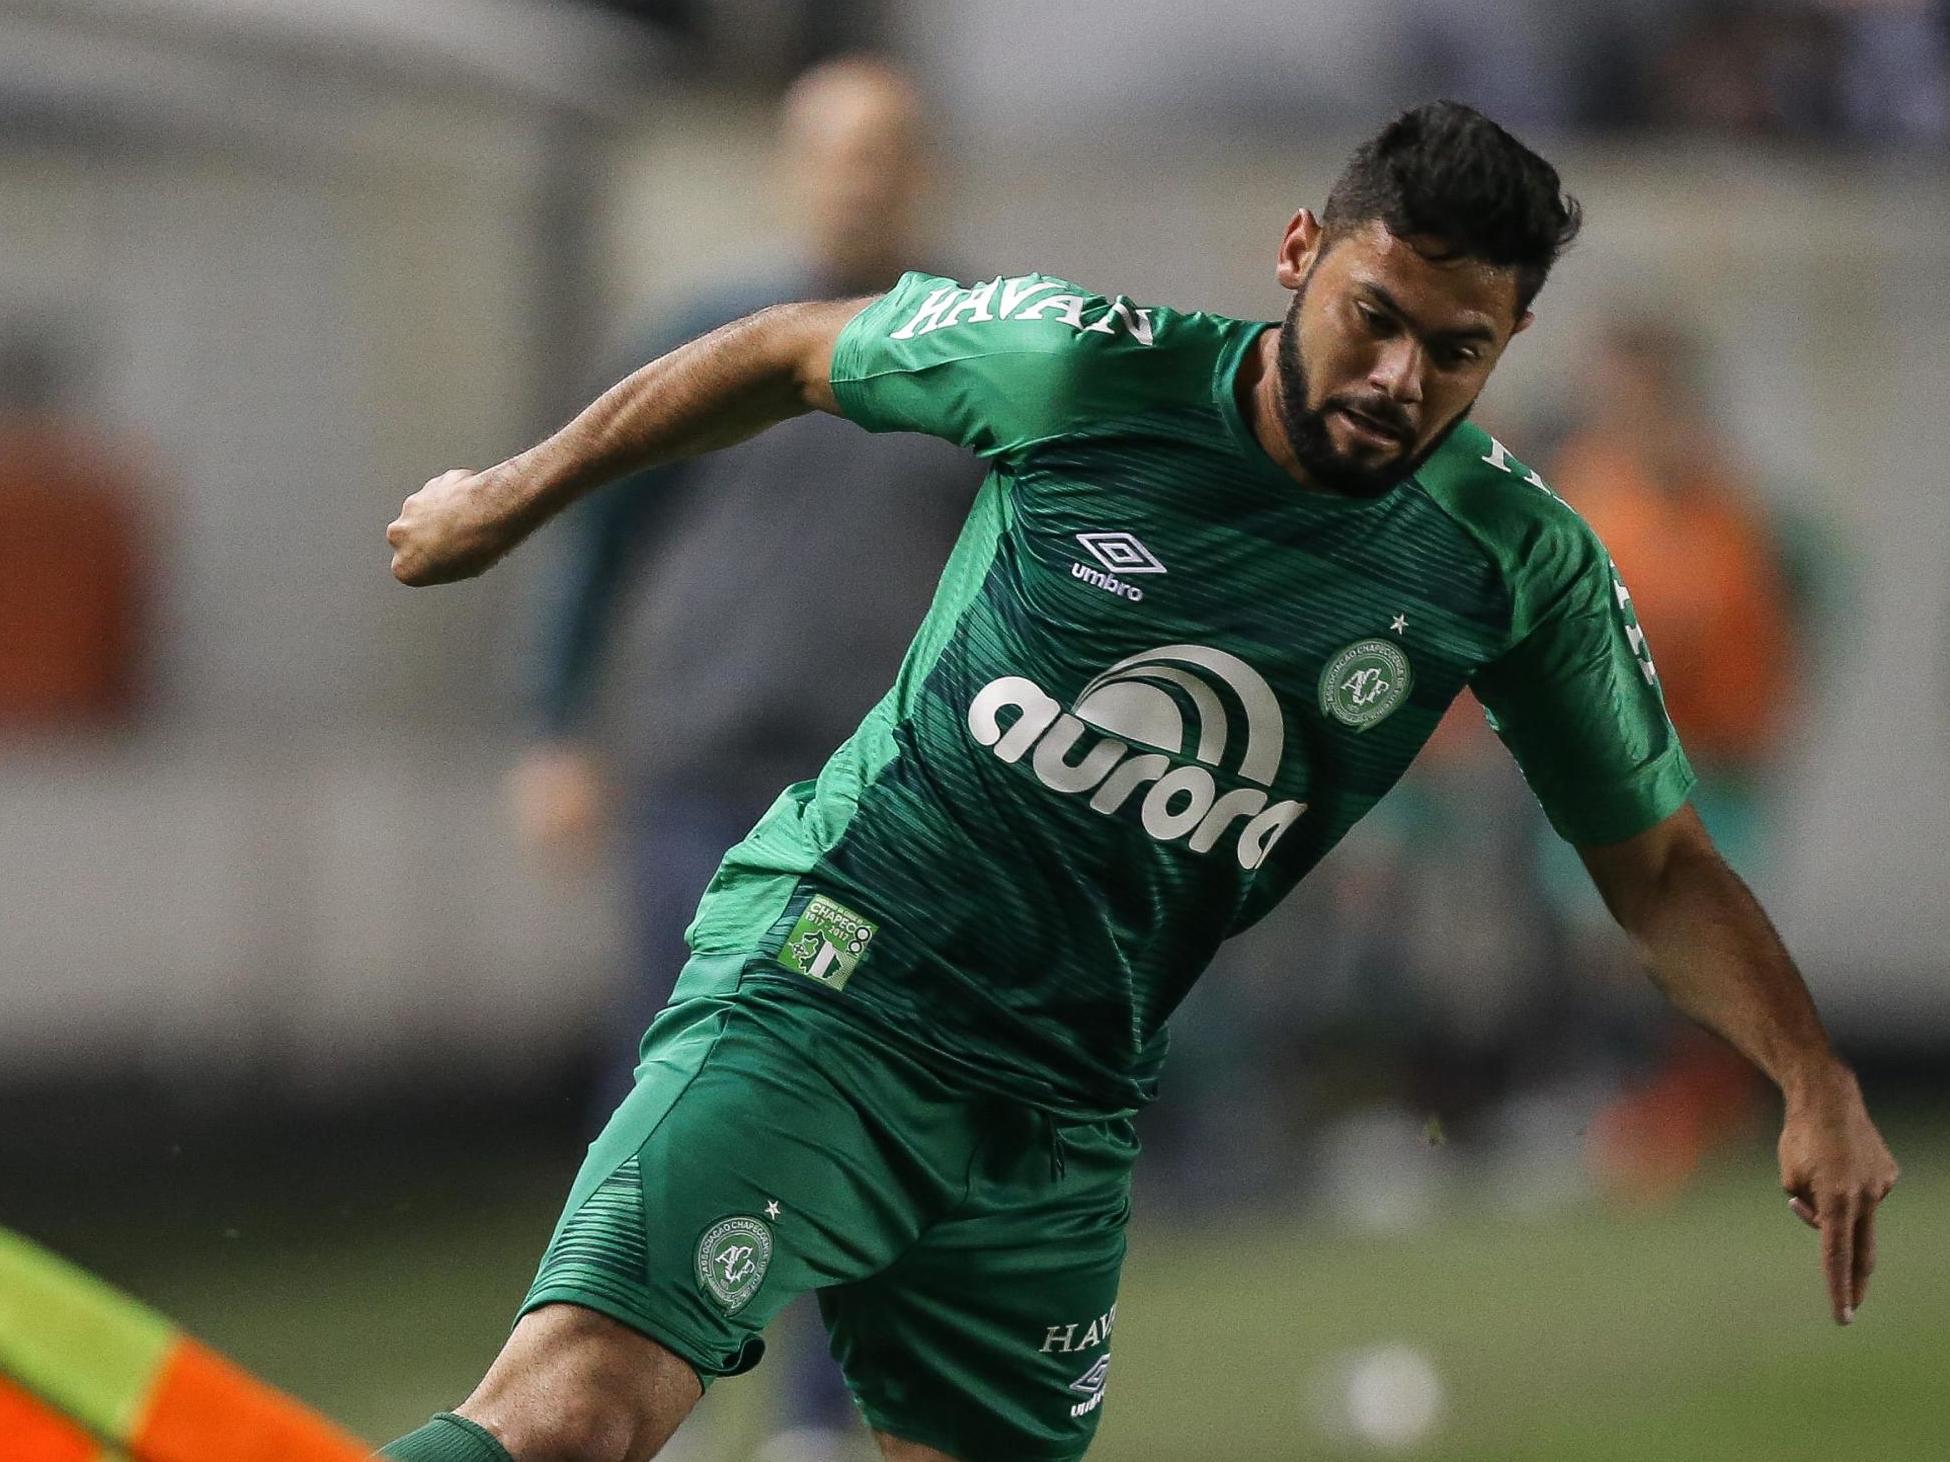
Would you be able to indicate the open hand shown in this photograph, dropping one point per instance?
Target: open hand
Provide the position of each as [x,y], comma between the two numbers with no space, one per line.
[453,528]
[1835,1170]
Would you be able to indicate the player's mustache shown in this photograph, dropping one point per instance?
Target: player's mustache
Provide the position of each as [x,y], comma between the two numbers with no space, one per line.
[1377,409]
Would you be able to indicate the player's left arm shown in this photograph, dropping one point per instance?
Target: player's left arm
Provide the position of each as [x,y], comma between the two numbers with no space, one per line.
[1710,947]
[1576,698]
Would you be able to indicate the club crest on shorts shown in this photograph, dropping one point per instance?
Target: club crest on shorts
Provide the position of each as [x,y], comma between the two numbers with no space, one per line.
[1365,683]
[732,1258]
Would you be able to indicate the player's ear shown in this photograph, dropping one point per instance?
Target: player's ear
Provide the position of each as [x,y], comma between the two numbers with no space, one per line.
[1523,323]
[1299,246]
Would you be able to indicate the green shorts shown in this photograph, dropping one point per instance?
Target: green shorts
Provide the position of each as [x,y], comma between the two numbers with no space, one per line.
[965,1250]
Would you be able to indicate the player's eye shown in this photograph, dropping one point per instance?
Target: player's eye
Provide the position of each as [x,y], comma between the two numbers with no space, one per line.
[1455,357]
[1376,322]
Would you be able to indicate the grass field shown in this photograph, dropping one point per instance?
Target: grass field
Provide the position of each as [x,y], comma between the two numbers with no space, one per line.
[1699,1332]
[378,1291]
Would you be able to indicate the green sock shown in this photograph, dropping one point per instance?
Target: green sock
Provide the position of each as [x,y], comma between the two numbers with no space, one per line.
[447,1438]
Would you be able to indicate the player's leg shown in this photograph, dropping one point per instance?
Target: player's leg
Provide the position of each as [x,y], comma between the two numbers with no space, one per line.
[746,1166]
[569,1386]
[989,1340]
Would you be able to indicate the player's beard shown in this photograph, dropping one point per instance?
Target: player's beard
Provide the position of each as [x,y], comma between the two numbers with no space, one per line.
[1326,466]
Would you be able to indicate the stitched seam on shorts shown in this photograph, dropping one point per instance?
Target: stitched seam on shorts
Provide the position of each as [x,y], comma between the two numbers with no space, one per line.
[975,1154]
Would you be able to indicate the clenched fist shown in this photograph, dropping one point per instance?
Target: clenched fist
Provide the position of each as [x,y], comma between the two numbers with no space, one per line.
[455,527]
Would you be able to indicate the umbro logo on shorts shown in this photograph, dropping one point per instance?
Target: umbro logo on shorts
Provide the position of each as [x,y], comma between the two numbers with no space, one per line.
[1091,1384]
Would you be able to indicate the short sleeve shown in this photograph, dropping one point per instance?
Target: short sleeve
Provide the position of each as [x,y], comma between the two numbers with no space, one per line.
[995,366]
[1577,699]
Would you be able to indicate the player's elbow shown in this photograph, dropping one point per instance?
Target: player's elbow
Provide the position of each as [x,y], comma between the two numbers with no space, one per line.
[1638,876]
[800,339]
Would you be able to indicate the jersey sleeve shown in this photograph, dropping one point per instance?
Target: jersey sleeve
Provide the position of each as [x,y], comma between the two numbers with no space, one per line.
[996,366]
[1576,698]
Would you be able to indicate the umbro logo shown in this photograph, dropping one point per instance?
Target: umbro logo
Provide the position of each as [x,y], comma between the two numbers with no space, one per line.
[1092,1381]
[1123,554]
[1091,1386]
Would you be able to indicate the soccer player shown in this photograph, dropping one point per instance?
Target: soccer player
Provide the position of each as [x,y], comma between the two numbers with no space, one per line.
[1221,582]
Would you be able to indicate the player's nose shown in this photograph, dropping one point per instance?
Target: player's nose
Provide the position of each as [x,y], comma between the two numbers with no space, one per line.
[1397,371]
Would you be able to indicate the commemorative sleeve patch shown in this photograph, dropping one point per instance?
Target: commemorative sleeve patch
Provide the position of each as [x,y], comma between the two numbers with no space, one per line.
[827,942]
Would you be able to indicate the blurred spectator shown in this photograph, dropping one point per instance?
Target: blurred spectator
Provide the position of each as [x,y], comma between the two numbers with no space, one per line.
[1664,491]
[1705,569]
[783,578]
[73,563]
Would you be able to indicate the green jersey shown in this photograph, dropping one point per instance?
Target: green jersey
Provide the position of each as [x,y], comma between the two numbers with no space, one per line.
[1159,681]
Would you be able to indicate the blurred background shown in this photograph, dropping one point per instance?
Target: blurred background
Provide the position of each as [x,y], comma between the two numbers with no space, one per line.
[330,912]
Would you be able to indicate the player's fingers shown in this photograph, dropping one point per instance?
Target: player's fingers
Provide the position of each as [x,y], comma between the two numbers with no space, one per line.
[1804,1210]
[1865,1254]
[1838,1253]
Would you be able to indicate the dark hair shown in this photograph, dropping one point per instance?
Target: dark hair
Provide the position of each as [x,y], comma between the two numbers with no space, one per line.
[1446,171]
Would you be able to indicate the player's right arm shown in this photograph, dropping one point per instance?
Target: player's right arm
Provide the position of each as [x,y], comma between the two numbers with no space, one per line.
[998,367]
[717,390]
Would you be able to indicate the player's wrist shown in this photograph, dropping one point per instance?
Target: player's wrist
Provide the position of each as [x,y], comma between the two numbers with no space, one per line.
[1819,1081]
[529,488]
[514,488]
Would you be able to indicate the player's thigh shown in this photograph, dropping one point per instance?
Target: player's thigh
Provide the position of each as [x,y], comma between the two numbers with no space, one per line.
[571,1383]
[737,1174]
[989,1341]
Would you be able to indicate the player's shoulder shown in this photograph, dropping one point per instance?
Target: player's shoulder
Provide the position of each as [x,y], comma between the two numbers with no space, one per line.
[1507,507]
[1015,360]
[1045,315]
